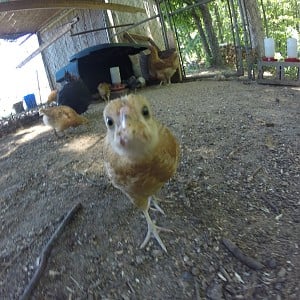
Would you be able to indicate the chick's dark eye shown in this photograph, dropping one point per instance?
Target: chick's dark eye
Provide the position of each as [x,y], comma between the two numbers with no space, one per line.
[109,121]
[145,111]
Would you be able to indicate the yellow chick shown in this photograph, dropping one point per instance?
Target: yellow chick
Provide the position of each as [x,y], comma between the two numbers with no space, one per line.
[104,90]
[140,154]
[61,117]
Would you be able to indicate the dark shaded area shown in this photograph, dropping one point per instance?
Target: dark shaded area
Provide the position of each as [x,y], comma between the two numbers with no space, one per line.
[76,95]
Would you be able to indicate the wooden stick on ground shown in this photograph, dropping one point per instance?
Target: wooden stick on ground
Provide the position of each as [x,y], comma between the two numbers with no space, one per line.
[46,252]
[247,260]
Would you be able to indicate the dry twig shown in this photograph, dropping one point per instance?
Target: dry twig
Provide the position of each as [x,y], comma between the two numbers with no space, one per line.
[247,260]
[46,252]
[251,177]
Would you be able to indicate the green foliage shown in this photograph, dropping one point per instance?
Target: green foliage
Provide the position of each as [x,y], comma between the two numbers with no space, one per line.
[186,31]
[283,21]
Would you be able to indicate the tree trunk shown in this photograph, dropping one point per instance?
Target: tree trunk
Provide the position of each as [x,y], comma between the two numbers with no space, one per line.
[256,28]
[219,23]
[202,34]
[216,59]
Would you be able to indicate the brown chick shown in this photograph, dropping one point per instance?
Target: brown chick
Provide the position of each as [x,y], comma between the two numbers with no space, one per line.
[162,68]
[52,96]
[104,90]
[140,154]
[61,117]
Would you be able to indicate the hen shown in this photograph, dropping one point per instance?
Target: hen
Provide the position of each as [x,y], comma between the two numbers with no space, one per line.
[140,154]
[162,68]
[75,94]
[61,117]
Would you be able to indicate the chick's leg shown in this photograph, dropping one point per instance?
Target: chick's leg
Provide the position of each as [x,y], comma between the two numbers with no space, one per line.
[153,229]
[155,204]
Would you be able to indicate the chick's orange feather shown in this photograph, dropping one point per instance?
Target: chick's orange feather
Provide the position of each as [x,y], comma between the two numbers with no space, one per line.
[61,117]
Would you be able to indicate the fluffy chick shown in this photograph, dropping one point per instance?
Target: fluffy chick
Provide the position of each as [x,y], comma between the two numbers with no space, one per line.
[104,90]
[61,117]
[140,154]
[162,68]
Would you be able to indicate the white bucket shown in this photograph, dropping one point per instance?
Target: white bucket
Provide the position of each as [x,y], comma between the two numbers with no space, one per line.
[269,47]
[291,48]
[115,75]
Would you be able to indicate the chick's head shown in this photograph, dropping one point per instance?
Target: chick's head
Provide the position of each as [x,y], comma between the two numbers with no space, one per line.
[131,129]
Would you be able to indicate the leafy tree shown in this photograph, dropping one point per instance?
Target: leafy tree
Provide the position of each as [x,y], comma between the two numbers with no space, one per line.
[200,30]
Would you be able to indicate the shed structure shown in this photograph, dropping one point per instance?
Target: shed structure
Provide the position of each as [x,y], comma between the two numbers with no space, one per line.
[65,28]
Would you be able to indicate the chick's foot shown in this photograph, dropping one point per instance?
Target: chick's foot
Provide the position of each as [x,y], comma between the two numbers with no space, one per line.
[153,229]
[154,201]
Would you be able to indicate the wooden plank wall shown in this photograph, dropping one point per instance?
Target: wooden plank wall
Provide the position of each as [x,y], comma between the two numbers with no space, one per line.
[57,55]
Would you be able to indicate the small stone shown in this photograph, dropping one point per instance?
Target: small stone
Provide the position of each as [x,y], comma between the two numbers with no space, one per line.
[281,272]
[140,259]
[211,269]
[195,271]
[185,258]
[214,291]
[53,273]
[187,276]
[156,253]
[269,124]
[272,263]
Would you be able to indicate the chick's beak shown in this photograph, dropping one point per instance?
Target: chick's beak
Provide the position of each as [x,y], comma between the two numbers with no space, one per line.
[124,117]
[124,130]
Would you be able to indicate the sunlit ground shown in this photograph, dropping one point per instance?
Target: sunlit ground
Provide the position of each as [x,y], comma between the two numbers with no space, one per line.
[31,133]
[79,144]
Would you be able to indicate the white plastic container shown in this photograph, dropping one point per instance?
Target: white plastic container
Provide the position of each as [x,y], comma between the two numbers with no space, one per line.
[115,75]
[291,48]
[269,44]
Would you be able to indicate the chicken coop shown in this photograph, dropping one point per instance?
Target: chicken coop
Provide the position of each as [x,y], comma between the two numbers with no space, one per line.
[67,33]
[93,64]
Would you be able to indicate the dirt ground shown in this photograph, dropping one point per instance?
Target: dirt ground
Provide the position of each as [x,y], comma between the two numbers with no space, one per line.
[238,180]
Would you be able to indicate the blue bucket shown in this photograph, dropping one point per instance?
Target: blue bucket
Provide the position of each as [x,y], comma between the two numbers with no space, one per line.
[30,101]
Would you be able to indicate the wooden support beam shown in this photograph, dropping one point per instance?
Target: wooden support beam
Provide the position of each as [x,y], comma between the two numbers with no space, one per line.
[136,24]
[100,29]
[63,4]
[67,27]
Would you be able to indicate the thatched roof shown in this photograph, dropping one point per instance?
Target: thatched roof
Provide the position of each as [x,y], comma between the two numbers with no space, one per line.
[20,17]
